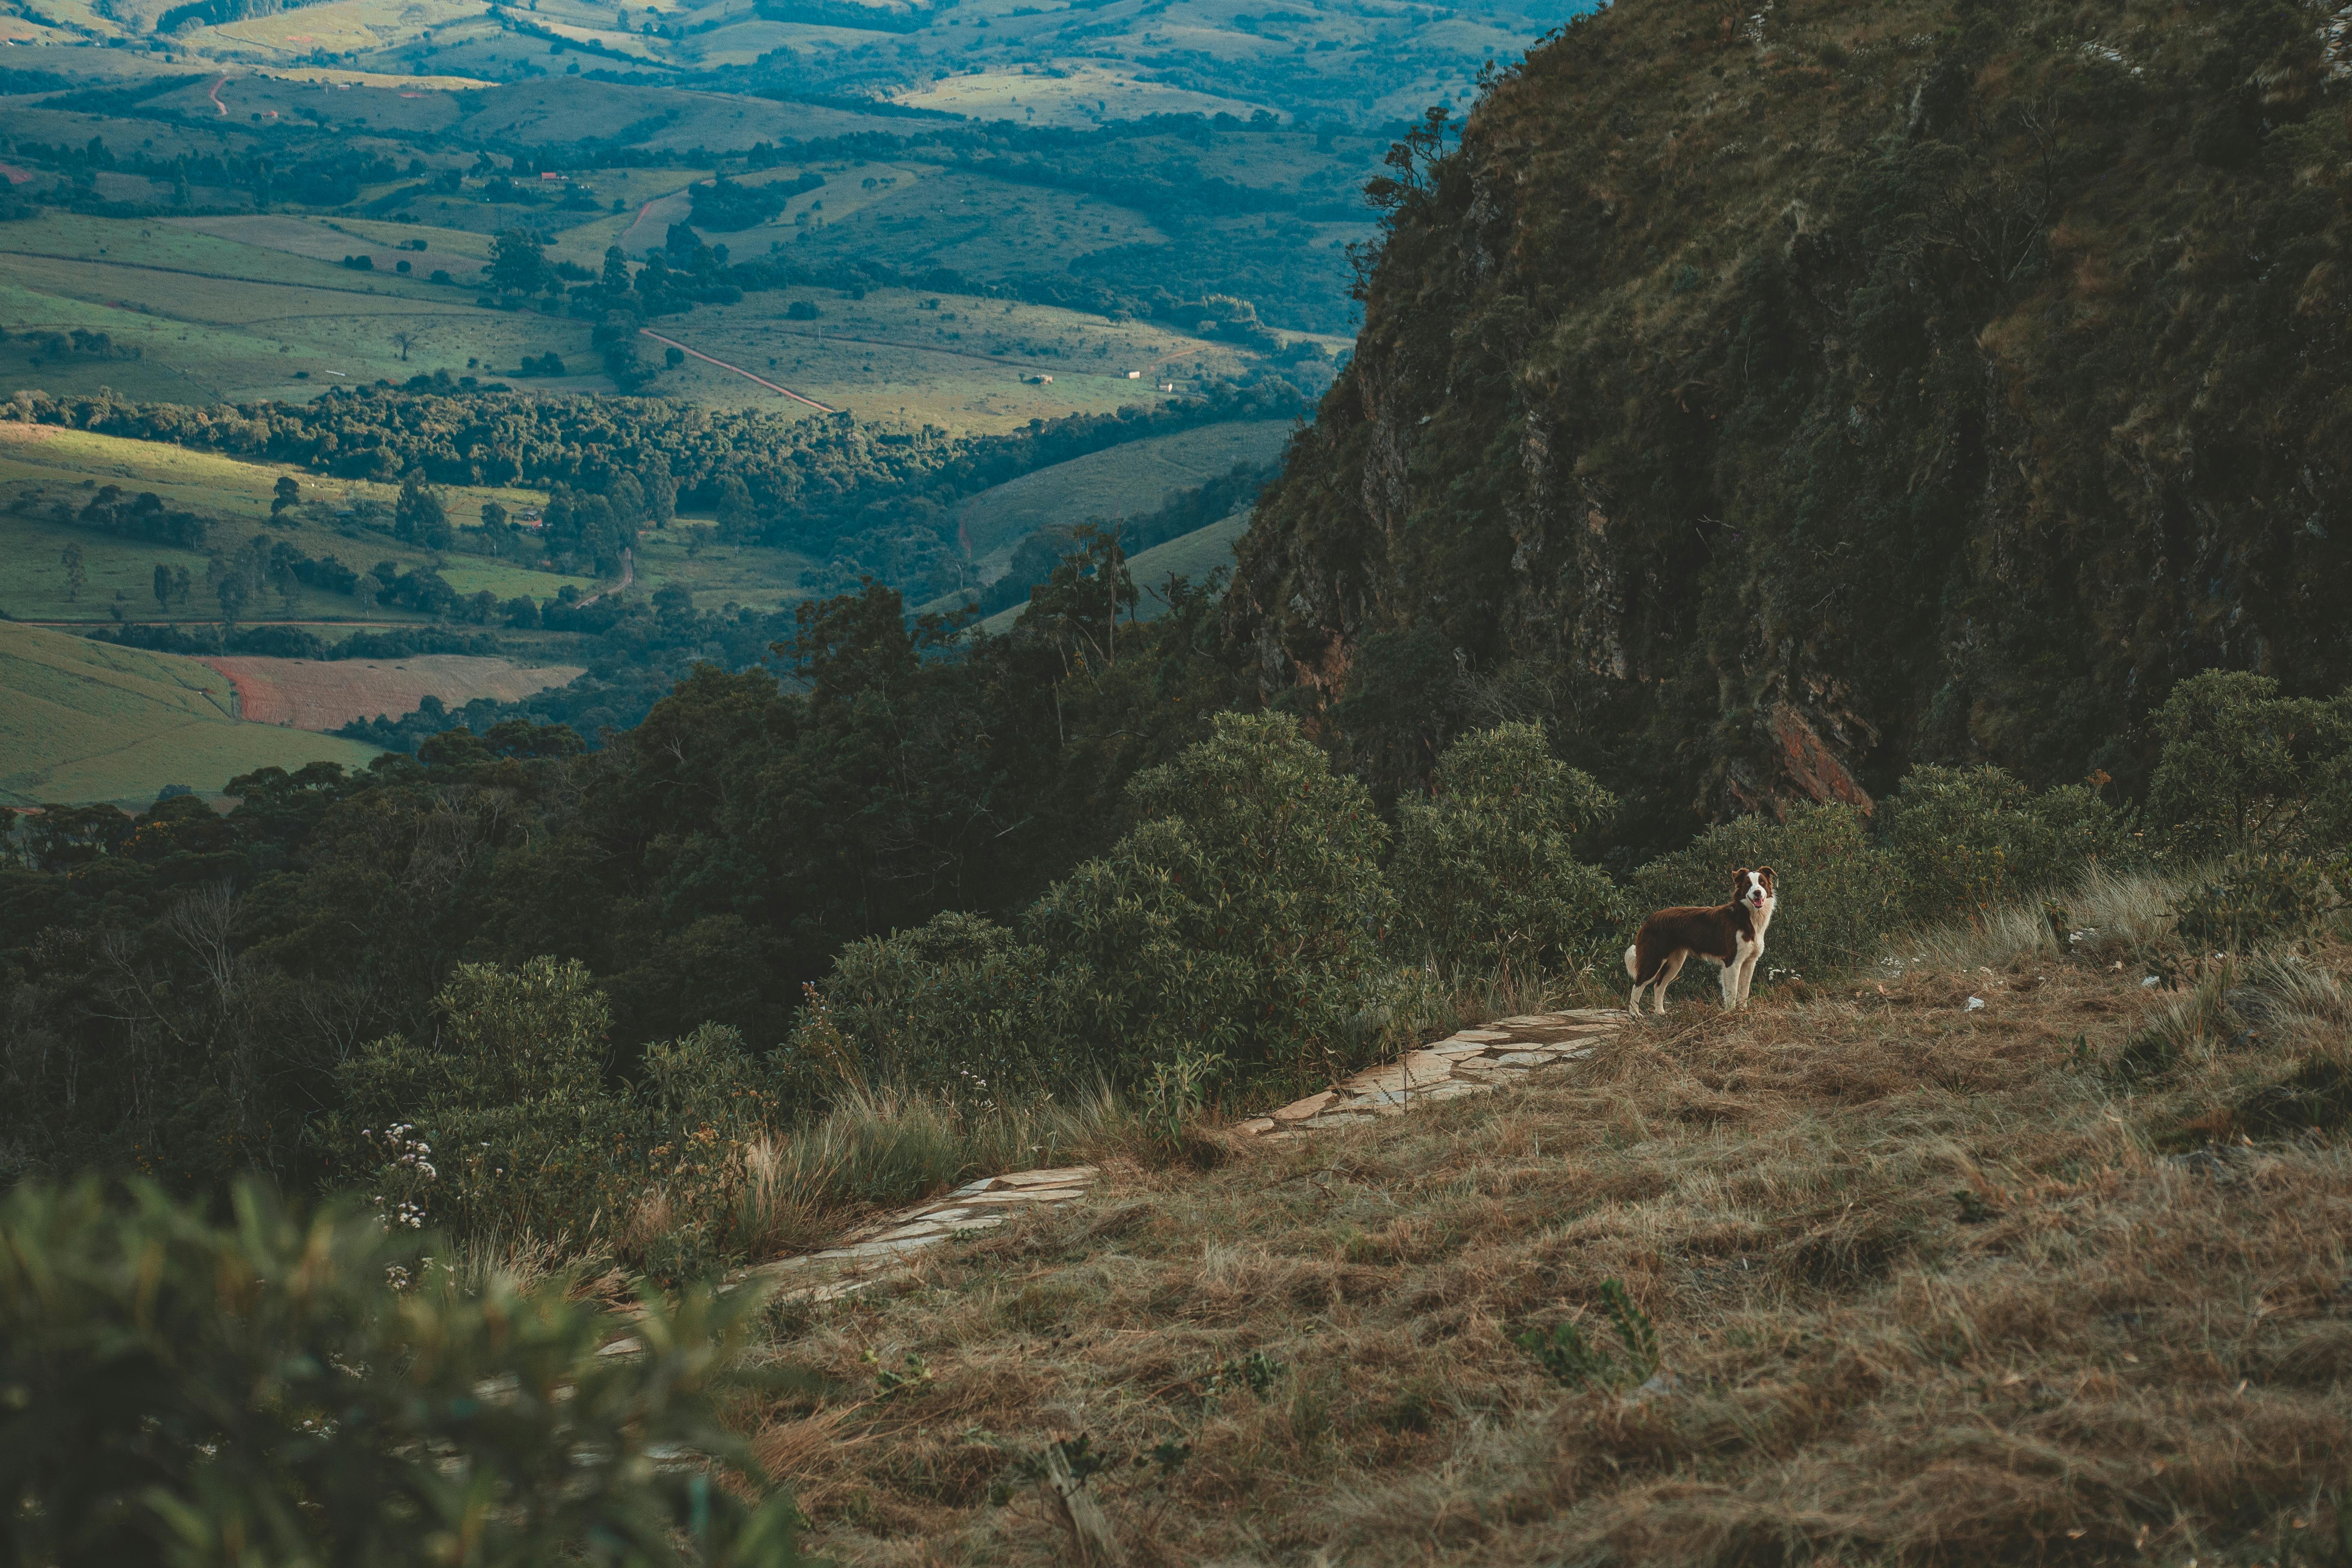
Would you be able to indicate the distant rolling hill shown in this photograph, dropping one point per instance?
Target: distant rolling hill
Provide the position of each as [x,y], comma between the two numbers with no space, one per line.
[1193,557]
[87,721]
[1123,481]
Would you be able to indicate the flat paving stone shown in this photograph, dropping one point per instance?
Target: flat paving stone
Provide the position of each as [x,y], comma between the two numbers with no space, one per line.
[1057,1177]
[1300,1110]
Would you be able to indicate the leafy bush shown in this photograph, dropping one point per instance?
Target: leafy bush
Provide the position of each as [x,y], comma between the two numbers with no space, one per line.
[1233,936]
[1243,918]
[507,1102]
[2256,899]
[958,1006]
[1839,894]
[1485,867]
[505,1122]
[2245,771]
[1974,838]
[298,1389]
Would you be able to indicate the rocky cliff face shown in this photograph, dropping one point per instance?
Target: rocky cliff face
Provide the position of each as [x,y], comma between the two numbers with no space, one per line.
[1770,400]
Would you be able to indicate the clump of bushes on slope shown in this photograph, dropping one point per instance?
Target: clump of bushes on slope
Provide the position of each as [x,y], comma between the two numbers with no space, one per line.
[1248,920]
[511,1122]
[1486,865]
[289,1387]
[1240,924]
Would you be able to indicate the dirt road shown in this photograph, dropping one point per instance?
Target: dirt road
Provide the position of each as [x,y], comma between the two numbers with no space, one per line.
[739,370]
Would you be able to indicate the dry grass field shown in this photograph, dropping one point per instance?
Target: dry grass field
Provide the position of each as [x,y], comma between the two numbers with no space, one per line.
[1930,1281]
[327,694]
[84,721]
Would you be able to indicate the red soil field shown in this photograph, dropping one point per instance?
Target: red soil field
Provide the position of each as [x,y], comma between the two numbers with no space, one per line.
[326,694]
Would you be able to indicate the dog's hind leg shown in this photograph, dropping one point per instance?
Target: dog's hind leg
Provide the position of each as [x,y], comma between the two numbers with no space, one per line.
[1666,972]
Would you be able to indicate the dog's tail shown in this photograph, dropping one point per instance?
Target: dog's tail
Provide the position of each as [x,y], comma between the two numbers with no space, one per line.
[1630,970]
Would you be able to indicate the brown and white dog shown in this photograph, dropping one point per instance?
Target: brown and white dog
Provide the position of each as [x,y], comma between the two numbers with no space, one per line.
[1731,934]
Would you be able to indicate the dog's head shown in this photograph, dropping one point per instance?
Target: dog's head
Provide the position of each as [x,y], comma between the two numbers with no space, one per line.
[1754,889]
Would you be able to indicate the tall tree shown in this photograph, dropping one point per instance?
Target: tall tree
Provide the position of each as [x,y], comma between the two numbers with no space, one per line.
[518,264]
[419,517]
[75,576]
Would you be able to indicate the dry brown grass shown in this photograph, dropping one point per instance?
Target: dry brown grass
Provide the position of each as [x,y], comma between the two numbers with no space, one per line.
[1929,1287]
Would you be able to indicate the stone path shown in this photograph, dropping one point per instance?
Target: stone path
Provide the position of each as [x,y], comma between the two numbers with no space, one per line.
[1473,1061]
[875,1250]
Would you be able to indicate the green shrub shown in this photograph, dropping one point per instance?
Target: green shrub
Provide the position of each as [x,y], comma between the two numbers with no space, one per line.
[1237,925]
[505,1123]
[2245,771]
[305,1389]
[502,1119]
[2253,900]
[1975,838]
[1243,918]
[959,1005]
[1486,869]
[1839,895]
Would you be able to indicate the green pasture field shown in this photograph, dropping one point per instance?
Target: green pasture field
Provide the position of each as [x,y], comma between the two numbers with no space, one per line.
[1126,481]
[279,324]
[24,120]
[338,27]
[83,721]
[1191,557]
[934,216]
[655,199]
[461,251]
[751,574]
[215,319]
[206,482]
[1088,94]
[33,585]
[963,367]
[44,464]
[193,255]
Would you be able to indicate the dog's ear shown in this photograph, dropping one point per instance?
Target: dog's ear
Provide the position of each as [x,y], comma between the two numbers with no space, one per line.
[1739,881]
[1766,873]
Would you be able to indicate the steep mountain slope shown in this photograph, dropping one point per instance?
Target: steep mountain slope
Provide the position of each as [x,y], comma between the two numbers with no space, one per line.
[1772,401]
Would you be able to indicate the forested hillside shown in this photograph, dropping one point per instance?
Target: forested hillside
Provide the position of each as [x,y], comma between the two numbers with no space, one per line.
[1774,402]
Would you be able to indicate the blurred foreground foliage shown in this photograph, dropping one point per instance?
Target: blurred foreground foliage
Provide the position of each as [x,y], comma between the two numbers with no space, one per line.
[292,1388]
